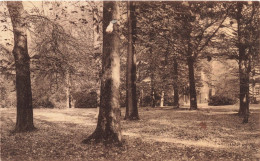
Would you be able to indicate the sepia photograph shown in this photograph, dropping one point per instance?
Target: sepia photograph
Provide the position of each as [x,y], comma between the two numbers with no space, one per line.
[128,80]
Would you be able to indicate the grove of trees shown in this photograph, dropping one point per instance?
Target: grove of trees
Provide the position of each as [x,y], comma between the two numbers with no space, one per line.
[126,53]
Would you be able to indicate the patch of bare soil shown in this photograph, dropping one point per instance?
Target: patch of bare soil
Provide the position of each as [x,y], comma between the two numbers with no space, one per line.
[210,133]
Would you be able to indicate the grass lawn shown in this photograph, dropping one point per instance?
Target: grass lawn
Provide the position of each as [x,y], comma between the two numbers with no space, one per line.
[210,133]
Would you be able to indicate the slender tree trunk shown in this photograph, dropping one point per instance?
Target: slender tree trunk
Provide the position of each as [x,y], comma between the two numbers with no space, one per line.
[131,99]
[24,120]
[162,99]
[175,85]
[68,95]
[152,70]
[243,69]
[152,90]
[193,95]
[96,28]
[141,98]
[190,61]
[108,128]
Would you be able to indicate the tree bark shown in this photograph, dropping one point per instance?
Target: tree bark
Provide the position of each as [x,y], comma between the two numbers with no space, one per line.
[131,98]
[24,119]
[243,69]
[108,128]
[96,28]
[193,95]
[175,85]
[244,90]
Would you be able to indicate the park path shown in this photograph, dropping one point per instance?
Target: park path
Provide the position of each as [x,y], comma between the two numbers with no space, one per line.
[148,138]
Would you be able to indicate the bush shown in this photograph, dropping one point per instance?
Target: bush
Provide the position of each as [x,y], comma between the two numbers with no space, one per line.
[43,102]
[253,100]
[147,101]
[168,101]
[221,100]
[86,100]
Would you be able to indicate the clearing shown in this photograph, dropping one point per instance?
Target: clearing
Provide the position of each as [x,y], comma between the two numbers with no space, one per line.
[163,133]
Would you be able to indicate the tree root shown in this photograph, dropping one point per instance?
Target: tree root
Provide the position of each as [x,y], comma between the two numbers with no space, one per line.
[24,129]
[99,137]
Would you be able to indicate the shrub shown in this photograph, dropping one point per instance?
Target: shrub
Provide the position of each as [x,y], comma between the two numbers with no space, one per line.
[86,100]
[168,101]
[218,100]
[253,100]
[147,101]
[43,102]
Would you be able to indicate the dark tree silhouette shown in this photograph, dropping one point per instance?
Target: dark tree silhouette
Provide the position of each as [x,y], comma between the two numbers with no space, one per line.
[24,120]
[131,99]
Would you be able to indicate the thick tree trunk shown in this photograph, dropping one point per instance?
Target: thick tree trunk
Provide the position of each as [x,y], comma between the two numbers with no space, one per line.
[175,85]
[244,91]
[24,120]
[243,69]
[131,99]
[193,95]
[108,128]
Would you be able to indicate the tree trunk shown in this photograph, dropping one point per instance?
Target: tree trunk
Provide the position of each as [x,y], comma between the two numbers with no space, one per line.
[108,128]
[131,99]
[244,91]
[193,96]
[96,28]
[243,69]
[152,89]
[68,95]
[24,120]
[141,98]
[152,70]
[162,99]
[175,85]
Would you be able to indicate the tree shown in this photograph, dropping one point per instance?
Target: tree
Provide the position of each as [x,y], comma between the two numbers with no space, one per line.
[64,54]
[241,43]
[108,128]
[175,85]
[131,98]
[152,51]
[24,120]
[201,22]
[248,49]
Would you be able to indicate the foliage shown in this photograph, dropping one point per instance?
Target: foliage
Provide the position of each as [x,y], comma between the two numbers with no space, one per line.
[147,100]
[83,100]
[42,102]
[219,100]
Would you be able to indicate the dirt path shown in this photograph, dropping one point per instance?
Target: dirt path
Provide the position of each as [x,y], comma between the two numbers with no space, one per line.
[149,138]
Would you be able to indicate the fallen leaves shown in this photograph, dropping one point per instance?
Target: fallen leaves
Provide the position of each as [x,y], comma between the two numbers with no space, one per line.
[60,139]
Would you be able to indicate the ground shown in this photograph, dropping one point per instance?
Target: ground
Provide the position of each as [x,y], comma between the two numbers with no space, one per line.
[163,133]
